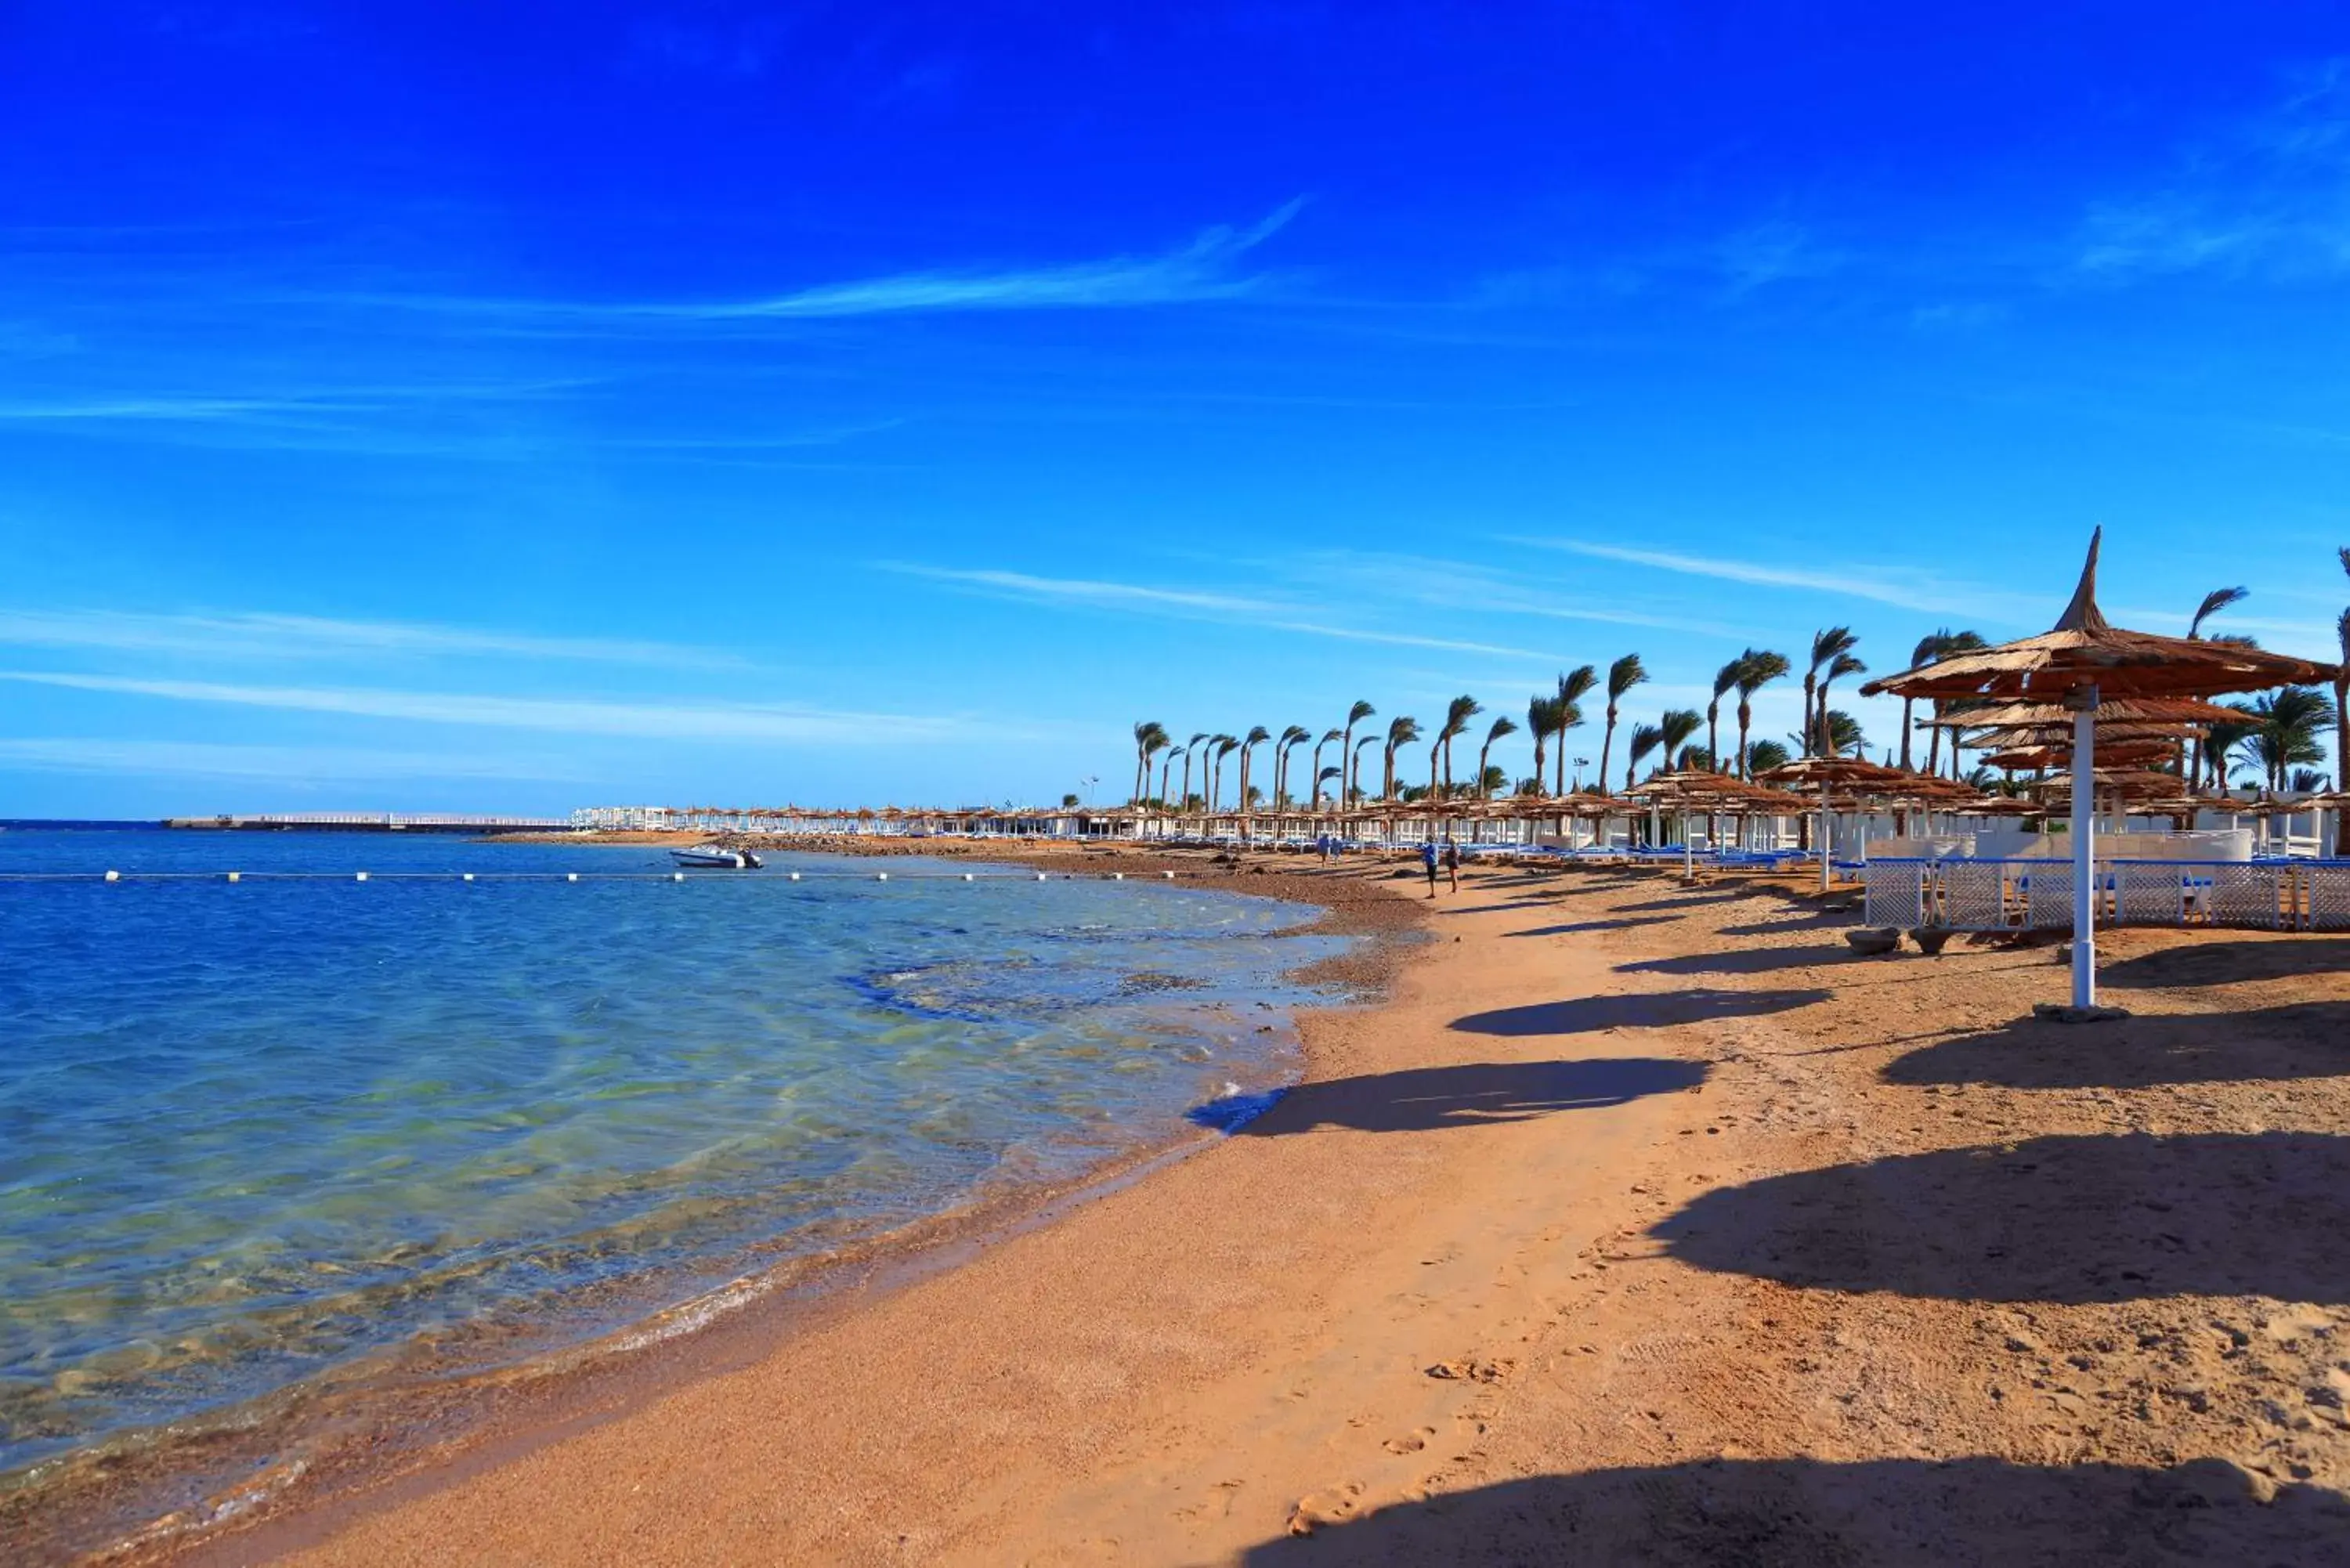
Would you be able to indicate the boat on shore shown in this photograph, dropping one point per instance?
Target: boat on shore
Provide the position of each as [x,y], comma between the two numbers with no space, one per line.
[716,858]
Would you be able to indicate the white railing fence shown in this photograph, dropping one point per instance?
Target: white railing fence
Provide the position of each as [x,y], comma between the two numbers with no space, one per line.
[2037,895]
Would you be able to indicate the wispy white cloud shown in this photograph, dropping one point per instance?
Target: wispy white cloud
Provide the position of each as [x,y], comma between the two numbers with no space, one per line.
[663,721]
[1204,270]
[289,765]
[1774,252]
[1081,591]
[259,635]
[1909,591]
[1484,591]
[1406,640]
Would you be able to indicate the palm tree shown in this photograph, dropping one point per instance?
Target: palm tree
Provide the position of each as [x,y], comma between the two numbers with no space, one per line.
[2291,719]
[1291,739]
[1825,646]
[1946,644]
[1622,676]
[1723,679]
[2221,739]
[1932,648]
[1219,747]
[1364,745]
[1542,723]
[1457,714]
[1167,766]
[1328,736]
[1757,668]
[1839,734]
[1646,738]
[1151,738]
[2213,603]
[1505,725]
[1355,715]
[1191,748]
[1841,665]
[1764,755]
[1401,732]
[2342,725]
[1675,729]
[1572,688]
[1258,735]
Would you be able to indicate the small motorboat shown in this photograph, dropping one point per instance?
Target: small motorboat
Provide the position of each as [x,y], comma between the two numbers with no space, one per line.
[716,858]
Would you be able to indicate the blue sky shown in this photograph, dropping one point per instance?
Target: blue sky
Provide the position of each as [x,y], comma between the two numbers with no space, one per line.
[413,406]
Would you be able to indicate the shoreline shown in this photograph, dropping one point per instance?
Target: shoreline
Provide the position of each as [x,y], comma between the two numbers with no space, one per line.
[1642,1220]
[397,1422]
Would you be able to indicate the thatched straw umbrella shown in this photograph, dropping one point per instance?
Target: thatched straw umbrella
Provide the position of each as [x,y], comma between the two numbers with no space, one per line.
[1859,781]
[2083,663]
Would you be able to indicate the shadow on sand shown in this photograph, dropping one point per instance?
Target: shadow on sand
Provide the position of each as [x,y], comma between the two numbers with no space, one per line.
[1802,1514]
[1638,1010]
[1577,928]
[2217,963]
[2057,1219]
[1471,1095]
[1743,960]
[2304,1039]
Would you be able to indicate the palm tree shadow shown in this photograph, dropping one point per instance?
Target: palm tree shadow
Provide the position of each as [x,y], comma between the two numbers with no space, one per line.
[1577,928]
[1794,1513]
[1637,1009]
[1475,1094]
[2067,1219]
[2304,1039]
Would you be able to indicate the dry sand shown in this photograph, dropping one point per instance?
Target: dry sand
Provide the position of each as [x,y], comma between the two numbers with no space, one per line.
[1643,1224]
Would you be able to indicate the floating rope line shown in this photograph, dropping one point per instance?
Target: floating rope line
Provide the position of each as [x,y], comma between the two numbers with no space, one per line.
[711,876]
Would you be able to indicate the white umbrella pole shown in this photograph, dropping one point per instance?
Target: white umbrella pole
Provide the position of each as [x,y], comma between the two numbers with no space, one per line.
[1824,840]
[2084,829]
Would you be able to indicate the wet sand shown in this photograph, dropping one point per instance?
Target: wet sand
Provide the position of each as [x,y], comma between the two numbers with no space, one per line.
[1643,1223]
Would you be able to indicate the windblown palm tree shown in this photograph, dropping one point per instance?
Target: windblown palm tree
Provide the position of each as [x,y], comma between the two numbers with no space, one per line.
[1543,715]
[2213,603]
[1294,736]
[1951,643]
[1457,714]
[2291,718]
[2342,725]
[1401,732]
[1355,715]
[1503,726]
[1675,729]
[1839,735]
[1165,767]
[1219,747]
[1572,688]
[1646,738]
[1622,676]
[1258,735]
[1757,668]
[1841,665]
[1151,738]
[1764,755]
[1825,646]
[1723,679]
[2220,740]
[1364,745]
[1328,736]
[1191,750]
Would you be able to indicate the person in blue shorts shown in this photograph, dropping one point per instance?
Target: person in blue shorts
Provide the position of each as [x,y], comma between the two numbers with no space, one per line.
[1428,859]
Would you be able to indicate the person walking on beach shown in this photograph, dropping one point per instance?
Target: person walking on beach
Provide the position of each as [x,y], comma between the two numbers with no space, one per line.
[1452,862]
[1323,843]
[1428,859]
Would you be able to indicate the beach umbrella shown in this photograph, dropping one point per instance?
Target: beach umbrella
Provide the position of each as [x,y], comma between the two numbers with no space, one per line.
[2080,665]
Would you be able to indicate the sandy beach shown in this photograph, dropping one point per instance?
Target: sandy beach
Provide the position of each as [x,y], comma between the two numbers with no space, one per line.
[1641,1223]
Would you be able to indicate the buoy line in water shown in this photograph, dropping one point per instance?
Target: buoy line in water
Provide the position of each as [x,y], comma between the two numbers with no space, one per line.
[712,873]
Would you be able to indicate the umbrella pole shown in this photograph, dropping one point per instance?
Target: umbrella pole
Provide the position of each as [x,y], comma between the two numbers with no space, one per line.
[1824,837]
[2085,828]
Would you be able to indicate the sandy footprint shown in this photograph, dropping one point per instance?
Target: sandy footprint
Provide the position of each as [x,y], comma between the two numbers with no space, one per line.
[1332,1505]
[1410,1442]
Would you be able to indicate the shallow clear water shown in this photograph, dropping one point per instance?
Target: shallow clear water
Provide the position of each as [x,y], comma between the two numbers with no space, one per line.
[252,1133]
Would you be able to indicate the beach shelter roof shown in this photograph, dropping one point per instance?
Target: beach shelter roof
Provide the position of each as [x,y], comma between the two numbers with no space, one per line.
[2125,784]
[2086,651]
[1701,789]
[2111,710]
[1857,778]
[2056,755]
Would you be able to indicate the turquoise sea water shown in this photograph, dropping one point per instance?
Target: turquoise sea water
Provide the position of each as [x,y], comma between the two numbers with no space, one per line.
[251,1134]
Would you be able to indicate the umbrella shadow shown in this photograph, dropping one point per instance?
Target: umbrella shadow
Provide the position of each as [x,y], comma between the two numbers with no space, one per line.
[2303,1040]
[1475,1094]
[1637,1009]
[2067,1219]
[1794,1513]
[1576,928]
[2223,962]
[1749,960]
[1690,900]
